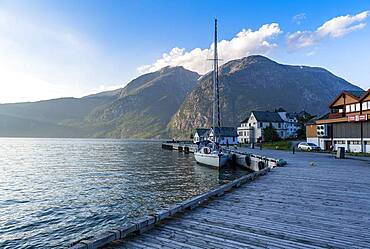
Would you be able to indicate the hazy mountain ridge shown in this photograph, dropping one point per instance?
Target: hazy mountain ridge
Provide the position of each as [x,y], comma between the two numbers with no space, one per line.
[174,101]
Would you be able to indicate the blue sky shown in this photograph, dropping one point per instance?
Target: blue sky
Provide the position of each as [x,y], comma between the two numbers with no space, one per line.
[52,48]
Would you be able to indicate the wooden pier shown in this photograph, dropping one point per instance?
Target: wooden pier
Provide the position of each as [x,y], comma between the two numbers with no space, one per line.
[251,161]
[146,223]
[314,202]
[185,147]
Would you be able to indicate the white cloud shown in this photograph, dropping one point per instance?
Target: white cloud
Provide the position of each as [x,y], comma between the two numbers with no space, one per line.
[299,18]
[336,27]
[243,44]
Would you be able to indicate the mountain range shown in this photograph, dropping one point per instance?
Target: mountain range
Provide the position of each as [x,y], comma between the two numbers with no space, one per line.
[173,101]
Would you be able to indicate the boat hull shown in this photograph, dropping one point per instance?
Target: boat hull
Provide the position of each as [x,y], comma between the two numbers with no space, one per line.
[213,160]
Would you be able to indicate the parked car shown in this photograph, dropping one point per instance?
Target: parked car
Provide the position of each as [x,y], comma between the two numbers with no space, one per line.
[308,146]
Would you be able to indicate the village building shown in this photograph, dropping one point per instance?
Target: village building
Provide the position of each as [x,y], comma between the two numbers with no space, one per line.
[201,134]
[226,135]
[251,129]
[347,125]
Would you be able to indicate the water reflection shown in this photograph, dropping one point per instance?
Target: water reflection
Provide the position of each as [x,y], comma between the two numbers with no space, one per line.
[55,191]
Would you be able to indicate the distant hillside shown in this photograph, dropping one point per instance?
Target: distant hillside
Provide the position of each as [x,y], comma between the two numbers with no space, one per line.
[56,110]
[11,126]
[145,105]
[173,101]
[62,117]
[258,83]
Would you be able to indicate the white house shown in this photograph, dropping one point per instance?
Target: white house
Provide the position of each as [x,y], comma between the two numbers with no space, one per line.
[290,123]
[251,129]
[201,134]
[227,135]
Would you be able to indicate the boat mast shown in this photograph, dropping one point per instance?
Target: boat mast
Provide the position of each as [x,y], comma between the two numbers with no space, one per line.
[216,93]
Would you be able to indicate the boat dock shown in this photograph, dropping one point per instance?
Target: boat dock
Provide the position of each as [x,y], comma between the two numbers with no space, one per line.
[237,155]
[181,146]
[315,202]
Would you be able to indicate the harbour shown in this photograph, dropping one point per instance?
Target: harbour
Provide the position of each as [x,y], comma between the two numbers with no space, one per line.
[313,202]
[175,124]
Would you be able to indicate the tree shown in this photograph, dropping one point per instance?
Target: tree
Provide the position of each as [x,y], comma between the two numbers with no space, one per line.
[270,134]
[302,121]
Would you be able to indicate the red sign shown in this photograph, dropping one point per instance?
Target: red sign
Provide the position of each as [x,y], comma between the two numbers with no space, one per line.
[357,118]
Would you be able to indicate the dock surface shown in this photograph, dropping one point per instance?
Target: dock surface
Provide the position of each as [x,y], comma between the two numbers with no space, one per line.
[316,201]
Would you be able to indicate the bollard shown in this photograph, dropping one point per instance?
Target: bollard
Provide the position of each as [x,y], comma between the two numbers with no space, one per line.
[340,153]
[293,149]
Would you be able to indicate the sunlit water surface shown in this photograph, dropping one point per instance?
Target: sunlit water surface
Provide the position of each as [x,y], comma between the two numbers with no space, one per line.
[56,191]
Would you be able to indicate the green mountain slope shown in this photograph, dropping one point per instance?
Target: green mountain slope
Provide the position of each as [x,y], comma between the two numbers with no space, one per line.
[174,101]
[145,105]
[258,83]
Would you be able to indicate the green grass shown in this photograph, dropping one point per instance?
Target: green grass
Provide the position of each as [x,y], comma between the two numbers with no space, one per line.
[277,145]
[357,154]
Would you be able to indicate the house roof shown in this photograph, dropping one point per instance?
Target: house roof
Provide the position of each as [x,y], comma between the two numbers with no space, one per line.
[245,120]
[292,115]
[272,117]
[319,117]
[365,94]
[226,132]
[202,131]
[355,94]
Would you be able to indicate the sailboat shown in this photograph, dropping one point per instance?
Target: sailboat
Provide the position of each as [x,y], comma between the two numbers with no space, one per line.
[210,153]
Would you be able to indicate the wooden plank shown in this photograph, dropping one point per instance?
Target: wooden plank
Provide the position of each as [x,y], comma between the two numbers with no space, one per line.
[299,206]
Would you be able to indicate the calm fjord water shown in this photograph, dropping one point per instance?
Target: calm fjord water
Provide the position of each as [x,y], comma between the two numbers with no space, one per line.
[56,191]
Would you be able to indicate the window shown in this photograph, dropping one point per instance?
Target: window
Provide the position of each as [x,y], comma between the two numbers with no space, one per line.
[358,107]
[340,110]
[364,106]
[353,108]
[348,109]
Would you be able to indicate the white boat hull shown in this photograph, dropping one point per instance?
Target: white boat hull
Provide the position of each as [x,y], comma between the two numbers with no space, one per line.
[214,160]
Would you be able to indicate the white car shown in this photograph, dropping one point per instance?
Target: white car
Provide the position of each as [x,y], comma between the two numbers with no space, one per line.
[308,146]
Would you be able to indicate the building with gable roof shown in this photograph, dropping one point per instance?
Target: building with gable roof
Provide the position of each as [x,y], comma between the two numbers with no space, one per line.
[251,129]
[347,124]
[226,135]
[201,134]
